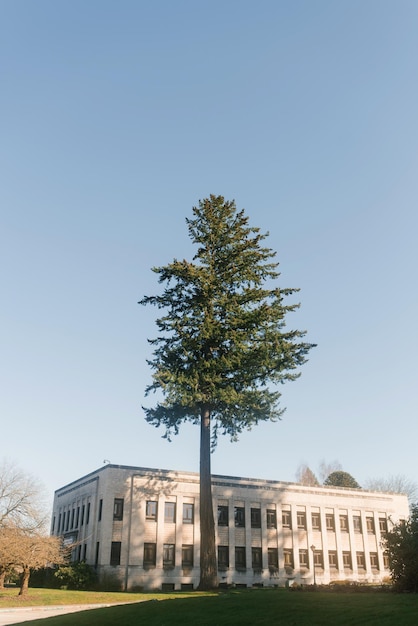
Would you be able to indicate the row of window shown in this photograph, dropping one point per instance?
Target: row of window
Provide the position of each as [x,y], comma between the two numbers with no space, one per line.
[187,557]
[271,520]
[71,519]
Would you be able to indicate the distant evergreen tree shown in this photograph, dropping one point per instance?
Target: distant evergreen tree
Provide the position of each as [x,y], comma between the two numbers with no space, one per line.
[222,341]
[341,479]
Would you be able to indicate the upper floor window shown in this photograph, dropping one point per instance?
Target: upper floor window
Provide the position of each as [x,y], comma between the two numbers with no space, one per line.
[357,523]
[383,525]
[271,518]
[151,510]
[118,509]
[188,513]
[370,525]
[301,518]
[286,519]
[239,514]
[255,518]
[100,510]
[316,521]
[223,515]
[170,512]
[329,520]
[344,523]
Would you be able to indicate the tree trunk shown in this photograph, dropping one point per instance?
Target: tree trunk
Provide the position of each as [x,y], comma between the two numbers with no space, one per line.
[2,577]
[208,569]
[24,583]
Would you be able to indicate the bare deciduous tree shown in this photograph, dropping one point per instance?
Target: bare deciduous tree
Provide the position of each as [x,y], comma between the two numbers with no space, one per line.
[396,483]
[305,476]
[22,501]
[26,551]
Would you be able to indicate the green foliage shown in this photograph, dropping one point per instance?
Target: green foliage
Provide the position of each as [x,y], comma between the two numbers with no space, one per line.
[76,575]
[341,479]
[223,338]
[402,549]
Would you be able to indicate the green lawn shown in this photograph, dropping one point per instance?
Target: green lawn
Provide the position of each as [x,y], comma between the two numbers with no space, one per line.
[247,607]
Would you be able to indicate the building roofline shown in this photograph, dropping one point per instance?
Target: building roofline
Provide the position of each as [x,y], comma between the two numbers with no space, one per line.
[216,477]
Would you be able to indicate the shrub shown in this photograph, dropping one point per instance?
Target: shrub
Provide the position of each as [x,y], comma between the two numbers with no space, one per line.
[76,576]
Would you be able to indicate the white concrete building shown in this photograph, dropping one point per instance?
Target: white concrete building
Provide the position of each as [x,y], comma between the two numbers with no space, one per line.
[140,527]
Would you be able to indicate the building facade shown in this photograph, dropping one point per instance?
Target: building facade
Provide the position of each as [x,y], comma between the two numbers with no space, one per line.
[140,528]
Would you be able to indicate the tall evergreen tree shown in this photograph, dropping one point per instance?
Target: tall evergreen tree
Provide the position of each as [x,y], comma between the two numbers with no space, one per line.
[222,342]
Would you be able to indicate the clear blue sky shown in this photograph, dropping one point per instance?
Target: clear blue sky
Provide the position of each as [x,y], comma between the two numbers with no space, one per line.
[116,117]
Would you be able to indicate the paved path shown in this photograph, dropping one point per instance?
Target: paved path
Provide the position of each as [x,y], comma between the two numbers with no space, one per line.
[29,613]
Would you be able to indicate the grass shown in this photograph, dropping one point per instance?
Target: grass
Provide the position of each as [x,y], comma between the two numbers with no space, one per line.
[244,607]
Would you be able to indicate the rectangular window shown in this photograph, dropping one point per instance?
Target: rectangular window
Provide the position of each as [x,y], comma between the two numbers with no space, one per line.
[383,526]
[344,523]
[370,525]
[118,509]
[386,561]
[239,516]
[77,517]
[374,561]
[271,518]
[84,551]
[288,558]
[168,555]
[187,556]
[273,558]
[357,523]
[115,553]
[361,563]
[318,559]
[151,508]
[72,518]
[255,518]
[347,560]
[316,521]
[88,514]
[170,512]
[188,513]
[96,557]
[303,558]
[68,521]
[301,517]
[330,523]
[150,554]
[83,512]
[223,515]
[100,510]
[332,559]
[240,558]
[286,519]
[223,557]
[256,558]
[59,523]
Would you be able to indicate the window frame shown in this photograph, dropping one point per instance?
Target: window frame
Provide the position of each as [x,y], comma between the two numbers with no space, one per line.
[151,510]
[255,517]
[271,518]
[169,512]
[169,555]
[223,515]
[150,554]
[188,513]
[256,558]
[187,556]
[239,516]
[115,553]
[118,504]
[240,558]
[223,557]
